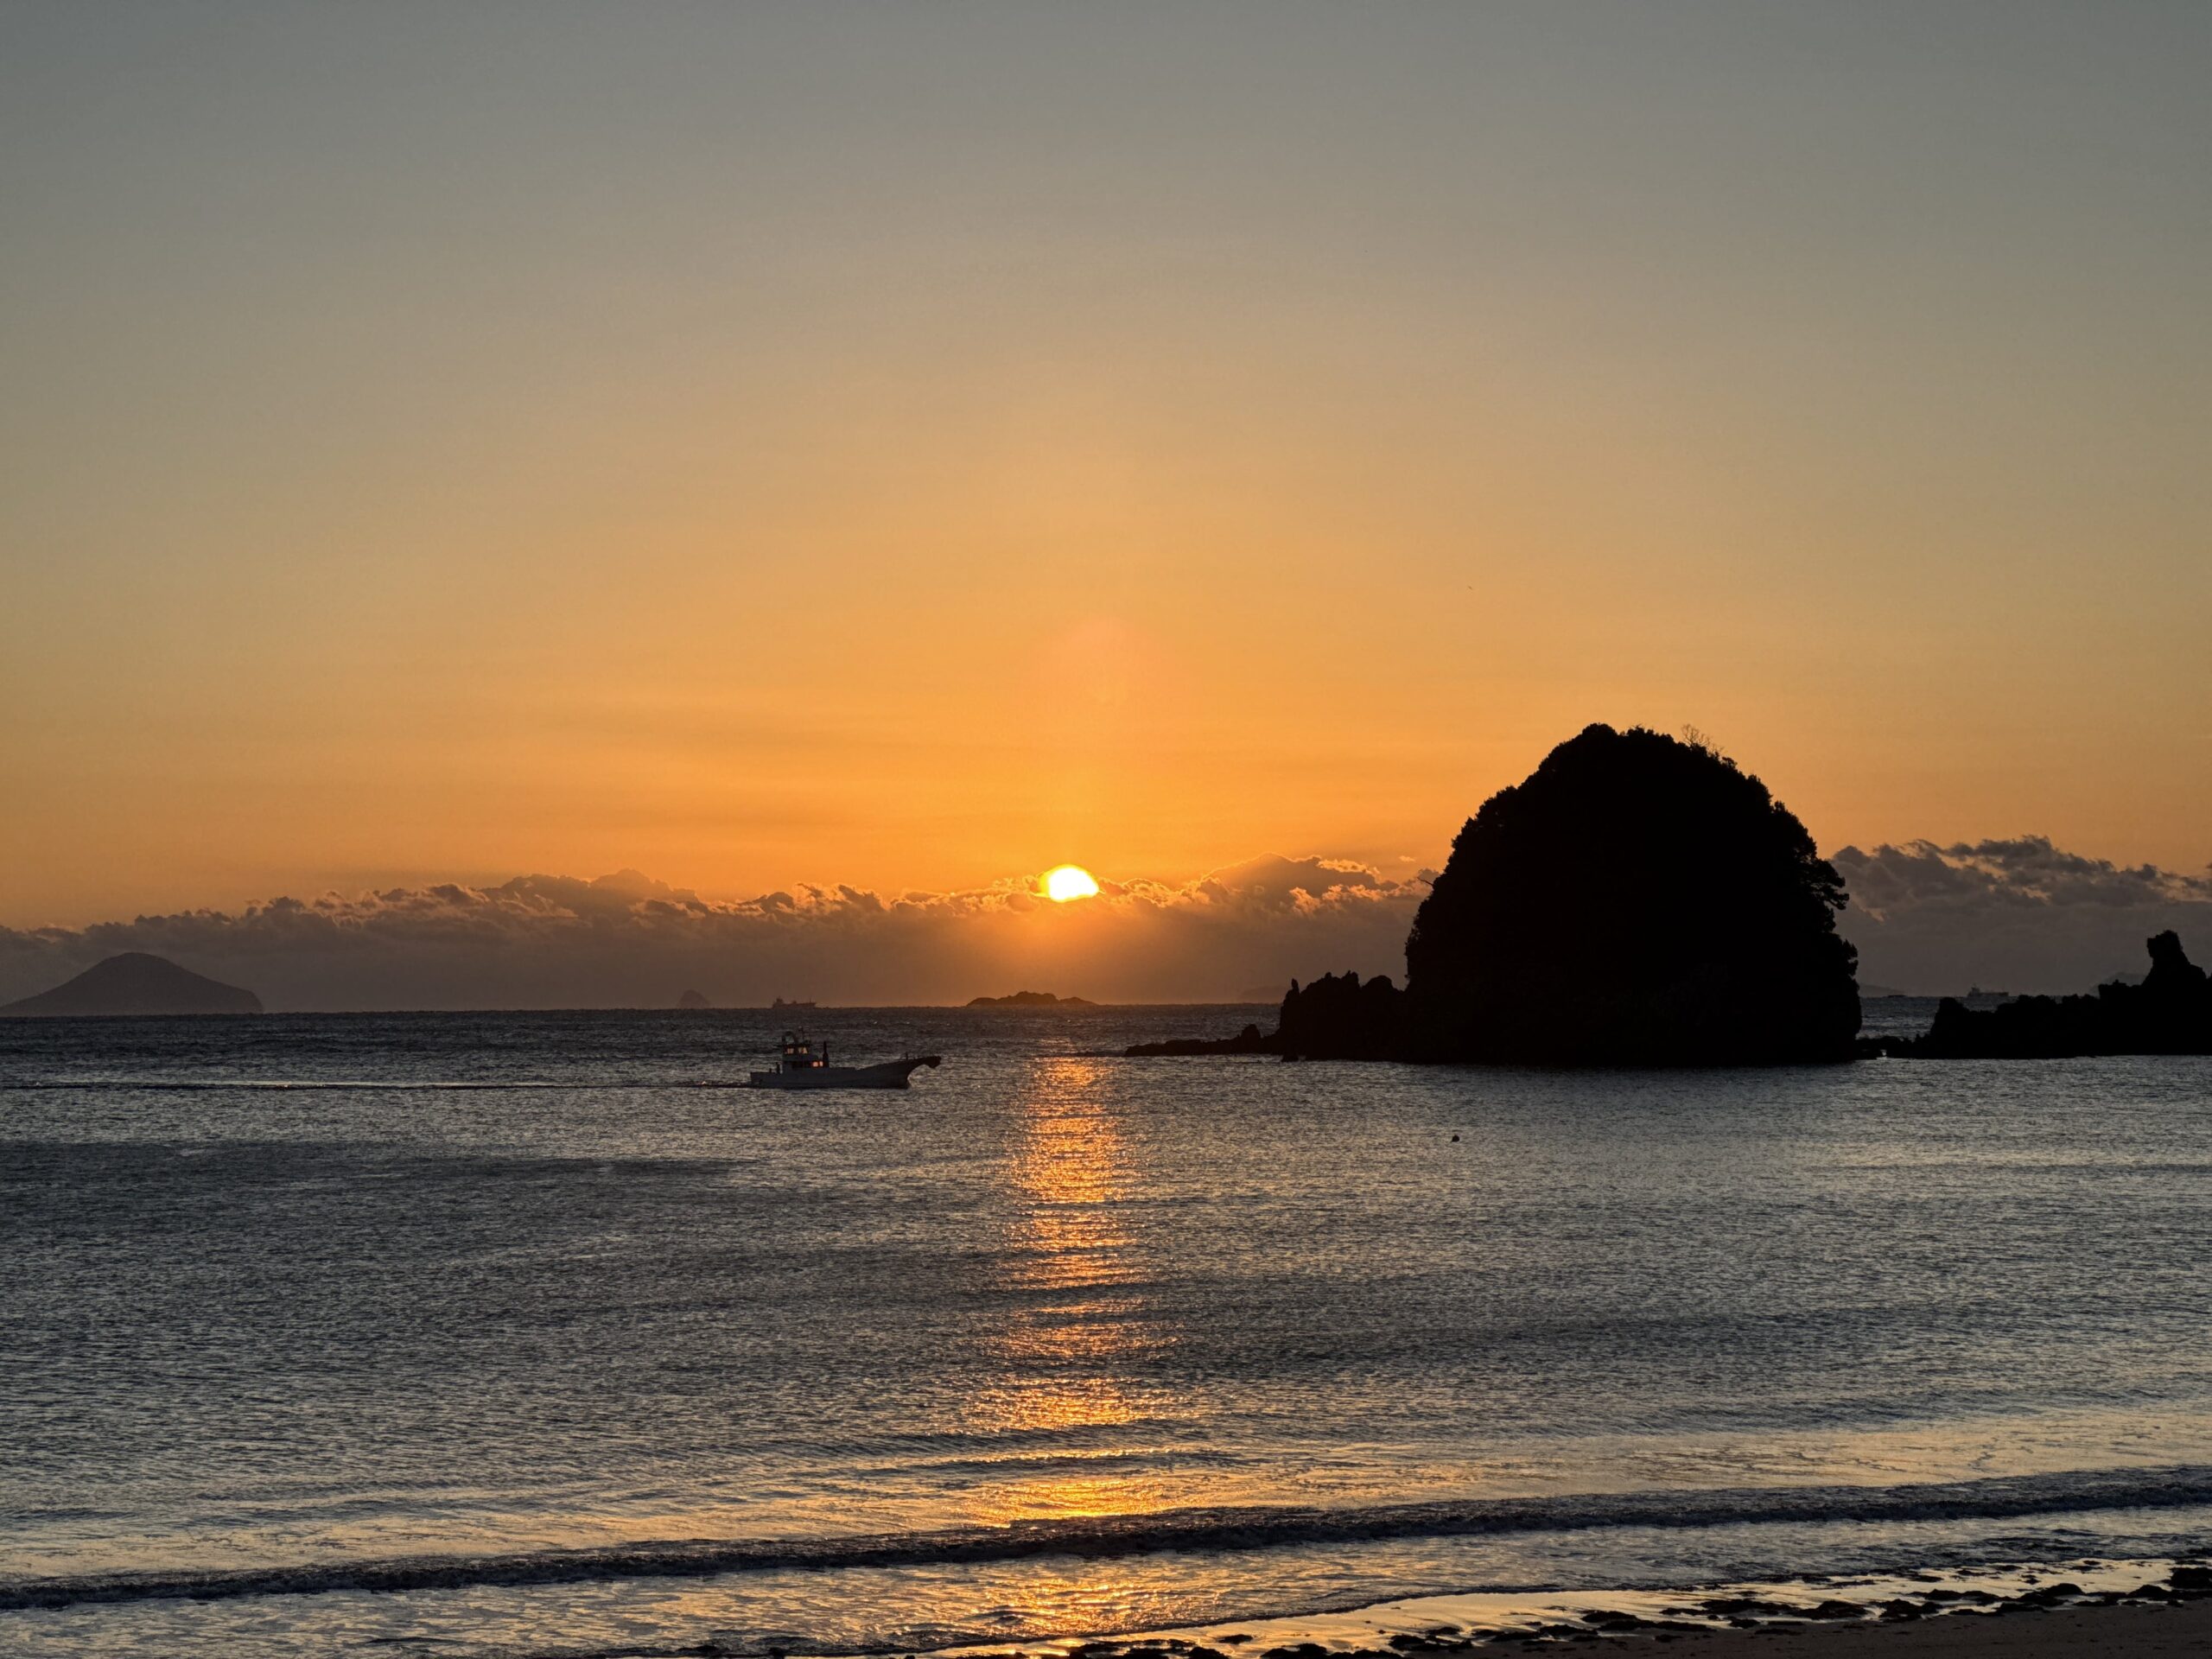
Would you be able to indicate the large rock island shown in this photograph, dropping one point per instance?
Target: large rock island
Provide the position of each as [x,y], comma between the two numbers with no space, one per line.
[135,982]
[1636,900]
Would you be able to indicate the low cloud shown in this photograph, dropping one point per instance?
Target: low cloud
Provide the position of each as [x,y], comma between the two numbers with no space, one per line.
[625,939]
[2018,915]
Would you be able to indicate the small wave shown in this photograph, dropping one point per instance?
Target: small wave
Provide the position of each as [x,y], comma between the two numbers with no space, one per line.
[139,1085]
[1103,1536]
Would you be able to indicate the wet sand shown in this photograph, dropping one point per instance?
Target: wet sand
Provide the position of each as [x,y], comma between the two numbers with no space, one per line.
[2023,1633]
[2107,1607]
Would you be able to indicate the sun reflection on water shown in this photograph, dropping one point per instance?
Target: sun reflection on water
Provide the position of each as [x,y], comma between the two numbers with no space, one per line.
[1079,1326]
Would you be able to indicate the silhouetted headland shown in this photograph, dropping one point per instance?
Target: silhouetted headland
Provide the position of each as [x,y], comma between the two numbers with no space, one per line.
[2169,1012]
[1636,900]
[1030,999]
[135,982]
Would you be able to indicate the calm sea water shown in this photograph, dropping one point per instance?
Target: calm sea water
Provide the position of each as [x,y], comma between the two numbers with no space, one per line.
[521,1321]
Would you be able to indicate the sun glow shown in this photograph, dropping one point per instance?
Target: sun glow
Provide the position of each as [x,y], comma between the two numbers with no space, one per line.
[1070,881]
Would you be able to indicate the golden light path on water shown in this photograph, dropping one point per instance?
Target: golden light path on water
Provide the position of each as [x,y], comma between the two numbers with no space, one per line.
[1081,1314]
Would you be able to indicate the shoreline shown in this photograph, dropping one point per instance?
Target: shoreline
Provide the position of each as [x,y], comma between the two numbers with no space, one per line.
[2150,1607]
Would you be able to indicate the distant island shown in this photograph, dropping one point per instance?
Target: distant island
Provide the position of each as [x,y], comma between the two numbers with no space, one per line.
[135,983]
[2169,1011]
[1031,1000]
[1636,900]
[693,1000]
[781,1006]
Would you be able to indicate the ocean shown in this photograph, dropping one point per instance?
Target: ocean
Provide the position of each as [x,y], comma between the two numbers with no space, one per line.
[484,1335]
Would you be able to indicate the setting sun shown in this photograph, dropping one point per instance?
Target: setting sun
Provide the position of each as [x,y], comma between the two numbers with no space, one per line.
[1070,881]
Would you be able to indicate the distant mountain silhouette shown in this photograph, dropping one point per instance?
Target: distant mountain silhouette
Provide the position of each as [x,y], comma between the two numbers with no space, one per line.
[2169,1012]
[1030,999]
[137,984]
[1636,900]
[693,1000]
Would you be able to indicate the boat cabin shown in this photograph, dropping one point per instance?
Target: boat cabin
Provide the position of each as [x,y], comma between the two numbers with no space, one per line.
[800,1055]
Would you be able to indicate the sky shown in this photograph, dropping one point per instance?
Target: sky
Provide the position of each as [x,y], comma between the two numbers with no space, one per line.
[898,448]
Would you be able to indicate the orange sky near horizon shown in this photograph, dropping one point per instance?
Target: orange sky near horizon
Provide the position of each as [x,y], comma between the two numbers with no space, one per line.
[909,449]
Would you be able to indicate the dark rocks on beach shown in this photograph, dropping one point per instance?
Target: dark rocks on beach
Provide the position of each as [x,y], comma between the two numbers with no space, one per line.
[1722,1605]
[2169,1013]
[1606,1619]
[1833,1610]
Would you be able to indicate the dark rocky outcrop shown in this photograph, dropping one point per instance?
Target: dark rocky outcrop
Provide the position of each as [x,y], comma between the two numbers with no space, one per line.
[1338,1018]
[135,982]
[1246,1041]
[2170,1012]
[1030,999]
[1637,900]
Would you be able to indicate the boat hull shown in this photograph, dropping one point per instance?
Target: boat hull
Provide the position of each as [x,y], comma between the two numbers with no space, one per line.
[891,1074]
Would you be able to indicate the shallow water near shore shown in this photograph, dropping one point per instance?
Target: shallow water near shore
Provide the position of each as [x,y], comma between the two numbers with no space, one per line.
[528,1324]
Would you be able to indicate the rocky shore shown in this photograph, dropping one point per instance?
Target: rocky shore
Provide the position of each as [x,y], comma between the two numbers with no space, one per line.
[2119,1610]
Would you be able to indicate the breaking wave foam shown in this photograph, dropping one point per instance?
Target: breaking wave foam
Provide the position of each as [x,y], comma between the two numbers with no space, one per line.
[1104,1536]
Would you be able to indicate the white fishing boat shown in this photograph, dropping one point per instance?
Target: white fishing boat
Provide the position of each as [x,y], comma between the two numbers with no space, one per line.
[804,1065]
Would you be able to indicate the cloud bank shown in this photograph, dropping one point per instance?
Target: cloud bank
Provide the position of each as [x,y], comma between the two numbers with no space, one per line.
[2018,915]
[626,940]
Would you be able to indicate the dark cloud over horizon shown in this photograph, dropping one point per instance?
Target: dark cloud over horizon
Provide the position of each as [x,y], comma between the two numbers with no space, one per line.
[2019,914]
[543,940]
